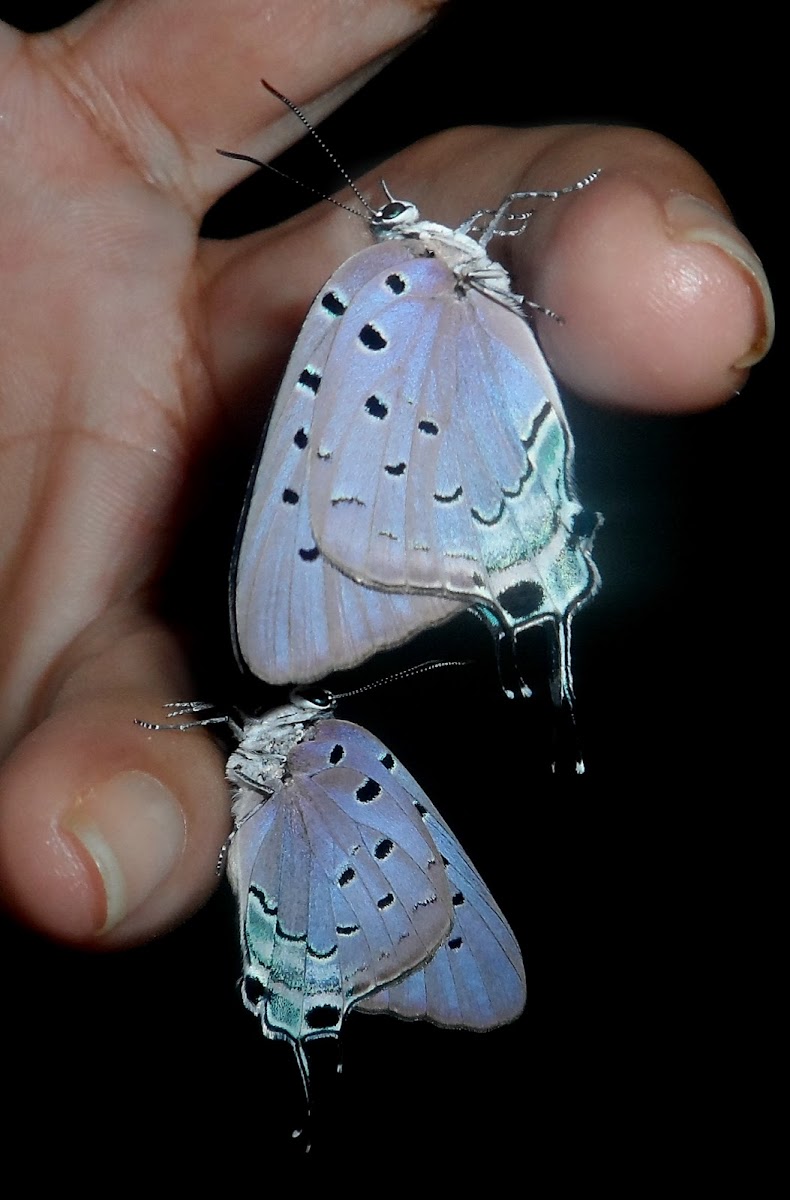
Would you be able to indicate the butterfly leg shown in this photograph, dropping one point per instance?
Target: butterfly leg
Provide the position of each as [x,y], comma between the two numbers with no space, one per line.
[500,213]
[468,226]
[542,309]
[183,707]
[522,218]
[222,857]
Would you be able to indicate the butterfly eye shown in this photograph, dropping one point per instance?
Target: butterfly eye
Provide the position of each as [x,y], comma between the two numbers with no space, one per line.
[393,213]
[313,699]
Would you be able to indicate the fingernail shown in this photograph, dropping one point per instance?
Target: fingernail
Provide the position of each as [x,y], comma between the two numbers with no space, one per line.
[693,220]
[132,827]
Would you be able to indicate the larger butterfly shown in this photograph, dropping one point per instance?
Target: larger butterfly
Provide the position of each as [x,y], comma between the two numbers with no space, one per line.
[418,462]
[352,890]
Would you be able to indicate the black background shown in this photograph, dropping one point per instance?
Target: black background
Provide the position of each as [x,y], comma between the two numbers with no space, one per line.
[638,892]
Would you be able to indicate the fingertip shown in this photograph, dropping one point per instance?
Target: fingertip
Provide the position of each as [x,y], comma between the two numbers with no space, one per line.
[694,221]
[664,302]
[109,834]
[132,829]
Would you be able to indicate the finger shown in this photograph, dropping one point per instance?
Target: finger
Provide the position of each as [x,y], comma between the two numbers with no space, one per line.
[109,834]
[171,82]
[664,303]
[10,40]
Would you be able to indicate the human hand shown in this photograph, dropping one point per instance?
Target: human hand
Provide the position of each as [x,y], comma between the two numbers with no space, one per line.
[126,342]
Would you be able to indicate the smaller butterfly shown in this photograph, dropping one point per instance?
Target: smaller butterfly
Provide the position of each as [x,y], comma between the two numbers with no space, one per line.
[352,890]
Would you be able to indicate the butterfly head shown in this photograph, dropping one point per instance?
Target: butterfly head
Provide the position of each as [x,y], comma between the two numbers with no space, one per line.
[286,724]
[259,761]
[395,218]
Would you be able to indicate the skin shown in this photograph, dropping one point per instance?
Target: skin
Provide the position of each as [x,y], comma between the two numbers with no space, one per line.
[127,344]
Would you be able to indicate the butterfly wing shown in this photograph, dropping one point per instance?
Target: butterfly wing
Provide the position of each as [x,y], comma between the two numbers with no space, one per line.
[297,616]
[340,886]
[418,462]
[475,980]
[453,476]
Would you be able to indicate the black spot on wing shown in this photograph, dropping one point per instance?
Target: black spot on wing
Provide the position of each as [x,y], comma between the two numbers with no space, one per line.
[396,283]
[346,876]
[458,899]
[376,407]
[385,901]
[371,337]
[584,524]
[322,1016]
[309,555]
[254,990]
[336,754]
[384,848]
[395,469]
[428,427]
[290,496]
[310,379]
[367,791]
[455,943]
[449,499]
[522,600]
[387,761]
[333,304]
[300,439]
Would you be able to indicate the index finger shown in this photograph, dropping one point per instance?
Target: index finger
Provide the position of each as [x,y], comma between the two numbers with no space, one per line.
[171,81]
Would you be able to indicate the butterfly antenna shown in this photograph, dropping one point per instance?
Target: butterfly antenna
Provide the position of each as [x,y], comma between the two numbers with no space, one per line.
[256,162]
[406,673]
[332,157]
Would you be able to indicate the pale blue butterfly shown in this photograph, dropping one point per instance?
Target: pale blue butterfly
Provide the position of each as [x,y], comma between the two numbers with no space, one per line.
[418,462]
[352,890]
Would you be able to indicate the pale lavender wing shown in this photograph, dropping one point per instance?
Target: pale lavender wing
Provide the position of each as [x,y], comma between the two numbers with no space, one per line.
[454,476]
[297,616]
[340,887]
[476,978]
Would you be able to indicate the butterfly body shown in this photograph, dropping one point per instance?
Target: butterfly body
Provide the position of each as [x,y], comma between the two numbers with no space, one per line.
[418,462]
[353,891]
